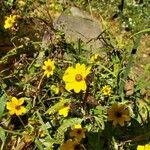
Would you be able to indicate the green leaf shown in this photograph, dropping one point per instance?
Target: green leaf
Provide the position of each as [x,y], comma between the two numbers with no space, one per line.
[2,135]
[38,144]
[10,2]
[2,104]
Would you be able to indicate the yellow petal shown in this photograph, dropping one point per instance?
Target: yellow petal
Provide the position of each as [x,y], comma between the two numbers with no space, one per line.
[78,126]
[11,112]
[69,86]
[9,105]
[78,86]
[64,111]
[140,147]
[147,147]
[14,100]
[20,111]
[20,101]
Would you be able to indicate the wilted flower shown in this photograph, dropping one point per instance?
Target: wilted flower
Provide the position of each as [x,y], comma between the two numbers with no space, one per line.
[71,145]
[48,67]
[15,106]
[9,21]
[75,77]
[118,113]
[78,132]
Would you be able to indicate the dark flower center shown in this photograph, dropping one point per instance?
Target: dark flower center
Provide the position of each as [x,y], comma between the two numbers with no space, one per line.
[79,131]
[66,104]
[18,107]
[118,114]
[49,68]
[78,77]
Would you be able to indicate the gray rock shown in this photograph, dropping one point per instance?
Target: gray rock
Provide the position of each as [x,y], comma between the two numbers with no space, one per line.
[80,26]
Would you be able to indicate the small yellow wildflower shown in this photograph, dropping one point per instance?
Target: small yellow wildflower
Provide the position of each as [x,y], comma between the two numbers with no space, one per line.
[75,77]
[9,21]
[106,90]
[55,89]
[64,111]
[48,67]
[71,145]
[118,113]
[95,58]
[15,106]
[143,147]
[78,132]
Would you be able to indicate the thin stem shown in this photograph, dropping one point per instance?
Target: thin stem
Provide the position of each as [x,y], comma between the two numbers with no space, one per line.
[12,132]
[21,121]
[40,82]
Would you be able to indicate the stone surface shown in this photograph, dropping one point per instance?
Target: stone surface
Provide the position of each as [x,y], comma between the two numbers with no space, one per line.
[80,25]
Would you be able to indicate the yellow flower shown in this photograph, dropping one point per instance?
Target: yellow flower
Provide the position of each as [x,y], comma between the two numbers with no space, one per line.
[71,145]
[75,77]
[143,147]
[106,90]
[55,89]
[64,111]
[9,21]
[95,58]
[48,67]
[14,106]
[118,113]
[78,132]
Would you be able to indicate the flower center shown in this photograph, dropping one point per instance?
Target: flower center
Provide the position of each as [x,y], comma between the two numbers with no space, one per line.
[18,107]
[49,68]
[79,131]
[118,114]
[106,91]
[78,77]
[10,21]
